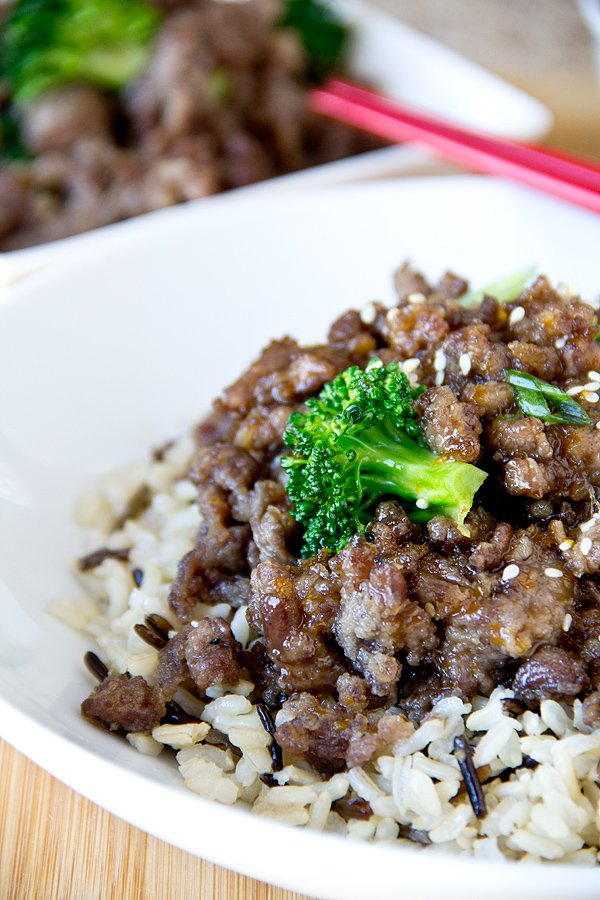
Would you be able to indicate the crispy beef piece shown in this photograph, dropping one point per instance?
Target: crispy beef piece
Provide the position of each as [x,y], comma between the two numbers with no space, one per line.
[489,620]
[408,281]
[212,654]
[233,589]
[284,373]
[241,395]
[391,528]
[450,428]
[376,619]
[190,585]
[261,430]
[13,199]
[229,467]
[59,118]
[271,532]
[550,316]
[541,361]
[487,358]
[489,399]
[350,332]
[305,375]
[333,737]
[412,327]
[444,534]
[581,453]
[524,450]
[582,639]
[463,669]
[205,654]
[520,438]
[517,614]
[451,286]
[525,478]
[490,554]
[549,674]
[294,609]
[218,427]
[440,586]
[264,674]
[579,562]
[122,703]
[591,710]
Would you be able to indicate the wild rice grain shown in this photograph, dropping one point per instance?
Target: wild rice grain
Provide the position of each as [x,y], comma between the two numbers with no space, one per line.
[95,665]
[464,757]
[149,636]
[269,725]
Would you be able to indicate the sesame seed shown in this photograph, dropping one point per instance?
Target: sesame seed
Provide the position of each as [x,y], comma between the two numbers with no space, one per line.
[592,386]
[510,572]
[560,342]
[567,622]
[553,573]
[565,290]
[575,390]
[591,396]
[194,623]
[585,546]
[593,375]
[597,426]
[566,545]
[439,377]
[392,314]
[411,364]
[465,363]
[422,503]
[439,360]
[585,526]
[413,380]
[369,314]
[417,297]
[516,315]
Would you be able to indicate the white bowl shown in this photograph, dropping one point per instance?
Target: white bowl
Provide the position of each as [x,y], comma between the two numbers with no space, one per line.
[107,355]
[402,63]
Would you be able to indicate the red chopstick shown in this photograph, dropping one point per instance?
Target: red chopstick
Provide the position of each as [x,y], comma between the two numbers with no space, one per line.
[571,178]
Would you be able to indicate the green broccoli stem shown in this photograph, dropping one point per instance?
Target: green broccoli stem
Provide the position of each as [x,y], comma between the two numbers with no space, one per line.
[391,462]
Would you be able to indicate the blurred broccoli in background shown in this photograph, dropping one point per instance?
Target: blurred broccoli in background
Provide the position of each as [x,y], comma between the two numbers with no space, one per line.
[48,43]
[323,35]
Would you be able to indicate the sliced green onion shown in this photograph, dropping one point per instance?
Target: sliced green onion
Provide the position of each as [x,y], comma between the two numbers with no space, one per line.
[503,290]
[535,397]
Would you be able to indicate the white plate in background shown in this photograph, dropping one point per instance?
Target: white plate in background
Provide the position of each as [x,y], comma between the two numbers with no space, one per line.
[402,63]
[104,356]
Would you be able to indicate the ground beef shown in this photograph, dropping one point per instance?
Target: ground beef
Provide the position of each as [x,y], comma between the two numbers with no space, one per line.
[376,619]
[212,654]
[122,703]
[550,674]
[294,609]
[406,613]
[335,736]
[221,104]
[450,428]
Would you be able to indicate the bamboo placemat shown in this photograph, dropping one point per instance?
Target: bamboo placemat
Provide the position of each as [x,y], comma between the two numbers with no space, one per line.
[56,845]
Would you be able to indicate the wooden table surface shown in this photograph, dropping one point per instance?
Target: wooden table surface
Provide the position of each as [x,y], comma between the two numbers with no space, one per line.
[56,845]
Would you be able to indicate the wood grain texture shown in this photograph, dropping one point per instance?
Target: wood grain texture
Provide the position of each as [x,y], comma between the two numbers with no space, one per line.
[56,845]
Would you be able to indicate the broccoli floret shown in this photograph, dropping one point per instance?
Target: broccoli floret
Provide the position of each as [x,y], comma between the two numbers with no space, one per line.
[47,43]
[324,36]
[359,441]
